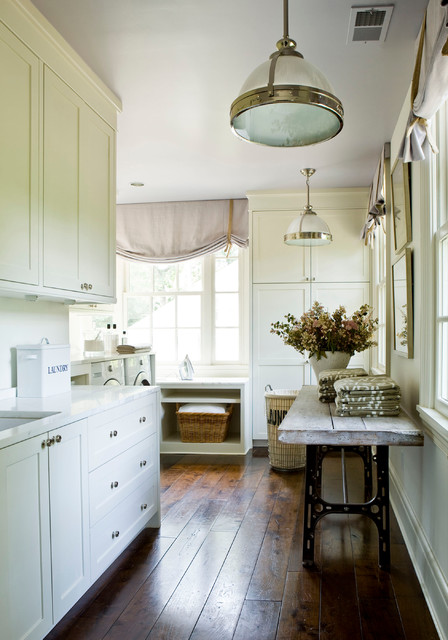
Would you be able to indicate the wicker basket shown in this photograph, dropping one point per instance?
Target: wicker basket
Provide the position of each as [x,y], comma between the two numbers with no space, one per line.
[203,427]
[281,455]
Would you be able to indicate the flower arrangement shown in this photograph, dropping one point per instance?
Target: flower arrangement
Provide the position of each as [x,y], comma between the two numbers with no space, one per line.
[318,331]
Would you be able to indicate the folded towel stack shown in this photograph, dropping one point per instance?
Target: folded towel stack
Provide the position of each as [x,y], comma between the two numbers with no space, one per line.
[129,348]
[328,377]
[369,396]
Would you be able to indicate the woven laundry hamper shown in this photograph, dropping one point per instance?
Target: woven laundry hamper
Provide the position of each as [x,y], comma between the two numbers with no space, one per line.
[281,455]
[203,426]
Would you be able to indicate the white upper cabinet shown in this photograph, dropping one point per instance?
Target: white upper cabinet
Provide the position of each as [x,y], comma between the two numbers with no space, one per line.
[79,242]
[57,166]
[19,131]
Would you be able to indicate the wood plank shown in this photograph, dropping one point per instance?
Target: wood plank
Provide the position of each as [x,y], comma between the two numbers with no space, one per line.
[269,576]
[380,618]
[180,487]
[258,620]
[220,615]
[180,614]
[142,612]
[299,615]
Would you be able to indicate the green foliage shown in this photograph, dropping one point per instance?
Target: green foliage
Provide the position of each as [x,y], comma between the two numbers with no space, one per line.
[318,331]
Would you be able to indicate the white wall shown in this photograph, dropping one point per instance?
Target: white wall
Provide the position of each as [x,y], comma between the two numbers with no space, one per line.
[419,476]
[23,322]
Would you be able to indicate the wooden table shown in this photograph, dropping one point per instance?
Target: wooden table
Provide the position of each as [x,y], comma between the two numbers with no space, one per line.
[315,424]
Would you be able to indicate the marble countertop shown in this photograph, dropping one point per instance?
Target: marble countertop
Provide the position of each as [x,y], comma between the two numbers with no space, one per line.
[79,358]
[57,410]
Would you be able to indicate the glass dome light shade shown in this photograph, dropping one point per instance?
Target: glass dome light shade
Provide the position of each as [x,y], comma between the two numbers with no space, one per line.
[308,230]
[299,110]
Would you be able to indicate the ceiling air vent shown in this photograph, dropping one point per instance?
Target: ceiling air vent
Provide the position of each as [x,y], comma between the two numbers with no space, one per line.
[369,24]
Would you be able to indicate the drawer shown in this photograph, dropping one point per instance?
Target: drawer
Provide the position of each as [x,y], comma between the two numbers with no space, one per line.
[115,531]
[116,479]
[115,430]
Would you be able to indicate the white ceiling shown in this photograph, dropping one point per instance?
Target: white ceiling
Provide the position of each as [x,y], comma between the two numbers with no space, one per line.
[177,65]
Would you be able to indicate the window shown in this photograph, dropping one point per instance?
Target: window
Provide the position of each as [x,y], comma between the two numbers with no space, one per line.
[439,234]
[192,307]
[379,298]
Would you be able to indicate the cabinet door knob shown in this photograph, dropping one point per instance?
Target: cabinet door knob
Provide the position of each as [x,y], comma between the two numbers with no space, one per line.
[143,419]
[143,463]
[313,279]
[144,506]
[307,279]
[115,534]
[113,434]
[58,438]
[44,444]
[49,442]
[90,286]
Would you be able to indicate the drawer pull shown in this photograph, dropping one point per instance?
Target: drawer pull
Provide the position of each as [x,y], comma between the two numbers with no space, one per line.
[113,433]
[144,506]
[115,534]
[142,419]
[58,438]
[143,463]
[114,485]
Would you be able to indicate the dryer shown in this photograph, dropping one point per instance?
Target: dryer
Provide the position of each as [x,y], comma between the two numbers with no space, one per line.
[109,372]
[137,370]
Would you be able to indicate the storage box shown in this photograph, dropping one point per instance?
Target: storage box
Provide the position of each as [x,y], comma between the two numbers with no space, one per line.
[202,426]
[42,370]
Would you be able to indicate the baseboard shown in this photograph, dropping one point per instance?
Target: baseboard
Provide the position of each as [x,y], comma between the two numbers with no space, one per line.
[432,580]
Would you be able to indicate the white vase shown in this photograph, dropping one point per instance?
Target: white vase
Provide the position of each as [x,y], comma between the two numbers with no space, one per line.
[333,360]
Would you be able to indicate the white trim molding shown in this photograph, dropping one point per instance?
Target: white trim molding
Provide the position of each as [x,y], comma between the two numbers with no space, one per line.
[432,580]
[436,427]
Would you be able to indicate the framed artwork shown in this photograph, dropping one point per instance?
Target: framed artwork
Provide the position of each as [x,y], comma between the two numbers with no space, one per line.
[401,204]
[403,307]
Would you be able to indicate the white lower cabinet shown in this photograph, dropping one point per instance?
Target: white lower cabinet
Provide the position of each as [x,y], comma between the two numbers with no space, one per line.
[69,506]
[43,539]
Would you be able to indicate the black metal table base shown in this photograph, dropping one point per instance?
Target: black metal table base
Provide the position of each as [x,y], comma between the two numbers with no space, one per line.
[375,507]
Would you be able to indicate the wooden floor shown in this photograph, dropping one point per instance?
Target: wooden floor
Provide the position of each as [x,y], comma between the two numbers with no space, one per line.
[226,564]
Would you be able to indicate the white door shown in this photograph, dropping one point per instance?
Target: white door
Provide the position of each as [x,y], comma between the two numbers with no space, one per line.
[19,130]
[97,204]
[272,259]
[25,565]
[62,109]
[69,516]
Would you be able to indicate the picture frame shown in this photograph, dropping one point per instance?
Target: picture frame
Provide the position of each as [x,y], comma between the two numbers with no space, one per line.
[402,289]
[401,204]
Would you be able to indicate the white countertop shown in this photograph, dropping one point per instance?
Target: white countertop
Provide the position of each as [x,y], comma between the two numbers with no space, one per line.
[80,402]
[80,358]
[167,382]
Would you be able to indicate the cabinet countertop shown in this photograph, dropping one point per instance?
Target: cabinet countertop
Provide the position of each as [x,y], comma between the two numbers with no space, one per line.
[79,358]
[78,403]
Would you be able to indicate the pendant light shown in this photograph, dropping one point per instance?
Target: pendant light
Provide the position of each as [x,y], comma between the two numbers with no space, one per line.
[308,229]
[286,101]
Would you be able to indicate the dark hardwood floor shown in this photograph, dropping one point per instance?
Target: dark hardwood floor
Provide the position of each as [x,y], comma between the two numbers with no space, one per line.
[226,564]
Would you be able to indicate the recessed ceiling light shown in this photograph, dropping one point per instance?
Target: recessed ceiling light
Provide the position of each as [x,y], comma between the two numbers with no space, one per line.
[137,184]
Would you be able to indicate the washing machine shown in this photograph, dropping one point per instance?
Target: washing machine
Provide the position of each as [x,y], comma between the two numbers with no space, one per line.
[107,372]
[137,370]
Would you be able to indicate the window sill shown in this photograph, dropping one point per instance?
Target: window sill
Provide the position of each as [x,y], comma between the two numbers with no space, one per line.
[436,426]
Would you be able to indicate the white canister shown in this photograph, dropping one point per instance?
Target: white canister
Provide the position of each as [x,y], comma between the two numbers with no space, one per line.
[42,370]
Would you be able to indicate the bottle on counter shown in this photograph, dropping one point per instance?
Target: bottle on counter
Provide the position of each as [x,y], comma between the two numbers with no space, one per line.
[107,339]
[124,339]
[113,339]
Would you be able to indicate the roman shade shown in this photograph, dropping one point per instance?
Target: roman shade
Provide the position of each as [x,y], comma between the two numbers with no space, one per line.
[177,231]
[429,83]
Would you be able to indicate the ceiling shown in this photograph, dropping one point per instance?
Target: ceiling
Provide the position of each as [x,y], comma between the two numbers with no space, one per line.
[177,65]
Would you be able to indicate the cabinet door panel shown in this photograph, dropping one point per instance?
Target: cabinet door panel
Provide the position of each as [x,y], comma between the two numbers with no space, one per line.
[279,377]
[96,208]
[346,258]
[25,566]
[69,516]
[272,259]
[61,181]
[19,113]
[351,296]
[272,303]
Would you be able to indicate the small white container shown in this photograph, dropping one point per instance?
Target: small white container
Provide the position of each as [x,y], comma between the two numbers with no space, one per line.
[42,370]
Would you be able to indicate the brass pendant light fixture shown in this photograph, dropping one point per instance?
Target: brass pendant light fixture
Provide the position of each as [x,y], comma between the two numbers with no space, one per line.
[308,229]
[286,101]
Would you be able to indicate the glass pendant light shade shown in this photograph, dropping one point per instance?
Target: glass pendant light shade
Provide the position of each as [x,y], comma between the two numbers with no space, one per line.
[286,101]
[308,229]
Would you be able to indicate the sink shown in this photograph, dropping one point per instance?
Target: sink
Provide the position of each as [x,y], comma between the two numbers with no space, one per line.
[10,419]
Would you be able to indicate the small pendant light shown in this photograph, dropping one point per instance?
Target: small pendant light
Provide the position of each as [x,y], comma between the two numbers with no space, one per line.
[286,101]
[308,229]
